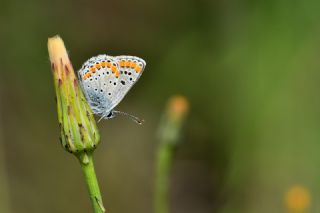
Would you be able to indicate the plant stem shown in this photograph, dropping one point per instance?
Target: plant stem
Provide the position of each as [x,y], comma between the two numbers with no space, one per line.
[86,161]
[169,133]
[164,161]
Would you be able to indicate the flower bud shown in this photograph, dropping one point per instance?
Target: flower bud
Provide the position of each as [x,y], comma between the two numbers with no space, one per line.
[173,119]
[298,199]
[79,132]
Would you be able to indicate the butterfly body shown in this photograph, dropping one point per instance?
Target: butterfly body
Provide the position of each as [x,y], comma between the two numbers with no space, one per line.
[105,81]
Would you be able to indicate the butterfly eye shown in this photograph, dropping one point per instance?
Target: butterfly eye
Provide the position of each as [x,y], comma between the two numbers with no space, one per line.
[110,115]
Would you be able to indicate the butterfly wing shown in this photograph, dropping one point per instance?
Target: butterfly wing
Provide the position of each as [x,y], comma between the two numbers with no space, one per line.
[97,78]
[106,80]
[131,68]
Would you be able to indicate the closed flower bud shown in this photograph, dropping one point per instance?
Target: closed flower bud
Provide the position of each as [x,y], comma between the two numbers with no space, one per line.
[79,132]
[173,119]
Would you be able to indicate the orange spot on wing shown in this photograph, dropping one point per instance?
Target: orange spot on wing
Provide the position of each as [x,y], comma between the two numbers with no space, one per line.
[98,66]
[87,75]
[103,63]
[122,63]
[127,63]
[138,69]
[133,65]
[108,64]
[114,69]
[92,69]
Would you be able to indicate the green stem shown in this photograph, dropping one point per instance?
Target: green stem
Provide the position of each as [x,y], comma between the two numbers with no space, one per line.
[86,161]
[163,166]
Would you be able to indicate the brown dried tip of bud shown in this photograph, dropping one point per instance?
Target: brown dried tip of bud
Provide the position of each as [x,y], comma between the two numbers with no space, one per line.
[67,69]
[178,105]
[69,109]
[53,67]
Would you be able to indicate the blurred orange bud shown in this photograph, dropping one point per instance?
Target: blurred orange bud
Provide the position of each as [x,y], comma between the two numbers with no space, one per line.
[297,199]
[178,107]
[173,119]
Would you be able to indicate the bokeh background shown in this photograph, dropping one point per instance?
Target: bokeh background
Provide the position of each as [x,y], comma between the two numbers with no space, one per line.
[250,70]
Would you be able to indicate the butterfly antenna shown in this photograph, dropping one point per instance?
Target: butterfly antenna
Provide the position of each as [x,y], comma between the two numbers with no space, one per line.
[134,118]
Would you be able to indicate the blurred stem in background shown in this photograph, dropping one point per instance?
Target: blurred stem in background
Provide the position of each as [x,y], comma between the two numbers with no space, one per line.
[79,133]
[169,134]
[4,192]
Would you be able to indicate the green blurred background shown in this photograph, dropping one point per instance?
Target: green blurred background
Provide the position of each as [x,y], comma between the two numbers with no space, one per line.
[249,68]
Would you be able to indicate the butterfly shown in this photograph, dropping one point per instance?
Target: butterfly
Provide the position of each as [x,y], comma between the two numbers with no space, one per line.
[105,80]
